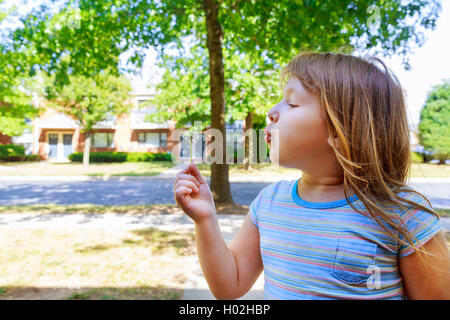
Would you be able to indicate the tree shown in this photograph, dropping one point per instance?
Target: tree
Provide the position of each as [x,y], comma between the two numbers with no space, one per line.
[434,129]
[273,30]
[183,93]
[15,85]
[15,101]
[90,100]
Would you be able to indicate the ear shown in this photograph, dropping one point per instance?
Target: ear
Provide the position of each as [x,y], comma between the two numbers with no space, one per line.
[334,142]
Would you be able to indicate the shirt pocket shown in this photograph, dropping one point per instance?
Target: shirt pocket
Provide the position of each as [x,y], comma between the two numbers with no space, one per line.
[353,257]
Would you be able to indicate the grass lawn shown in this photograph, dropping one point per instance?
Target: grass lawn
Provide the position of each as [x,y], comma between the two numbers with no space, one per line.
[94,169]
[259,169]
[429,170]
[93,264]
[443,212]
[155,168]
[420,170]
[101,209]
[129,209]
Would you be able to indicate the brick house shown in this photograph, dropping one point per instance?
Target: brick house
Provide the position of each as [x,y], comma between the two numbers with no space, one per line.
[56,136]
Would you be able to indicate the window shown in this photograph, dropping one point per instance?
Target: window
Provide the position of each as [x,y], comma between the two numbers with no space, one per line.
[153,139]
[163,139]
[103,139]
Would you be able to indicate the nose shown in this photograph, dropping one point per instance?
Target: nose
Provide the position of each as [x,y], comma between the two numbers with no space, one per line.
[273,114]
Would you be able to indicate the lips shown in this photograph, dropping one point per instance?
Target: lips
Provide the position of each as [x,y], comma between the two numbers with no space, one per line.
[268,136]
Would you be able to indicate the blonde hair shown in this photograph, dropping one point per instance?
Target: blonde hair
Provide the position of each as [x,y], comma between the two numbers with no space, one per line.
[365,109]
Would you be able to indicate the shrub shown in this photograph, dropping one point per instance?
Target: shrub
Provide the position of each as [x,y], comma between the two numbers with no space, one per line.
[148,156]
[162,156]
[13,158]
[112,156]
[32,157]
[107,156]
[139,157]
[11,150]
[76,157]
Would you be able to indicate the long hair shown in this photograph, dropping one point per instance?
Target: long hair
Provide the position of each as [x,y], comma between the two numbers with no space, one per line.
[365,109]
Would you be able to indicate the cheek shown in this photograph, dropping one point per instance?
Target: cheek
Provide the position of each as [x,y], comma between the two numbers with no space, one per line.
[303,134]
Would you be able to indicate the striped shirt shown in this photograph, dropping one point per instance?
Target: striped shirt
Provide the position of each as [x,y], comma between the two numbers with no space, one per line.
[328,250]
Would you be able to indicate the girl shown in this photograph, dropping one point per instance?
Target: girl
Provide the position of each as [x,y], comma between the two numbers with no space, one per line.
[350,227]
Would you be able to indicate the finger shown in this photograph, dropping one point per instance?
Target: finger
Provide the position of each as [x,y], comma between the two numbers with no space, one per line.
[184,176]
[181,192]
[196,173]
[186,183]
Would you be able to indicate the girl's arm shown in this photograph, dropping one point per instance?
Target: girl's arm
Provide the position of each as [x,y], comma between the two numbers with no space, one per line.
[433,281]
[229,270]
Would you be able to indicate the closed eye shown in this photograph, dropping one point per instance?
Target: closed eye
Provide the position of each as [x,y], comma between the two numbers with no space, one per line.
[293,105]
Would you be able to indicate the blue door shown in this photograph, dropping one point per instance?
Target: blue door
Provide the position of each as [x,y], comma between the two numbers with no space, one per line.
[53,145]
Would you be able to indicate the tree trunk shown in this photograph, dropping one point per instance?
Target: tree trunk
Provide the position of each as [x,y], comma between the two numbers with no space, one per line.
[220,184]
[248,125]
[87,148]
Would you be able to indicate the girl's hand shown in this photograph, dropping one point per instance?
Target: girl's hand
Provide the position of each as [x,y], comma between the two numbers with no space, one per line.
[192,194]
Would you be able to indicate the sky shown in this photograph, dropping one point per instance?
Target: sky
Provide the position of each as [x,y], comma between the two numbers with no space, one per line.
[429,64]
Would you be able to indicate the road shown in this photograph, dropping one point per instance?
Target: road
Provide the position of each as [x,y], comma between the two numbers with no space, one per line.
[147,191]
[128,192]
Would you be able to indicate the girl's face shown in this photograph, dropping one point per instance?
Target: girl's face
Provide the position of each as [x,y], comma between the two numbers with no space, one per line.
[302,131]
